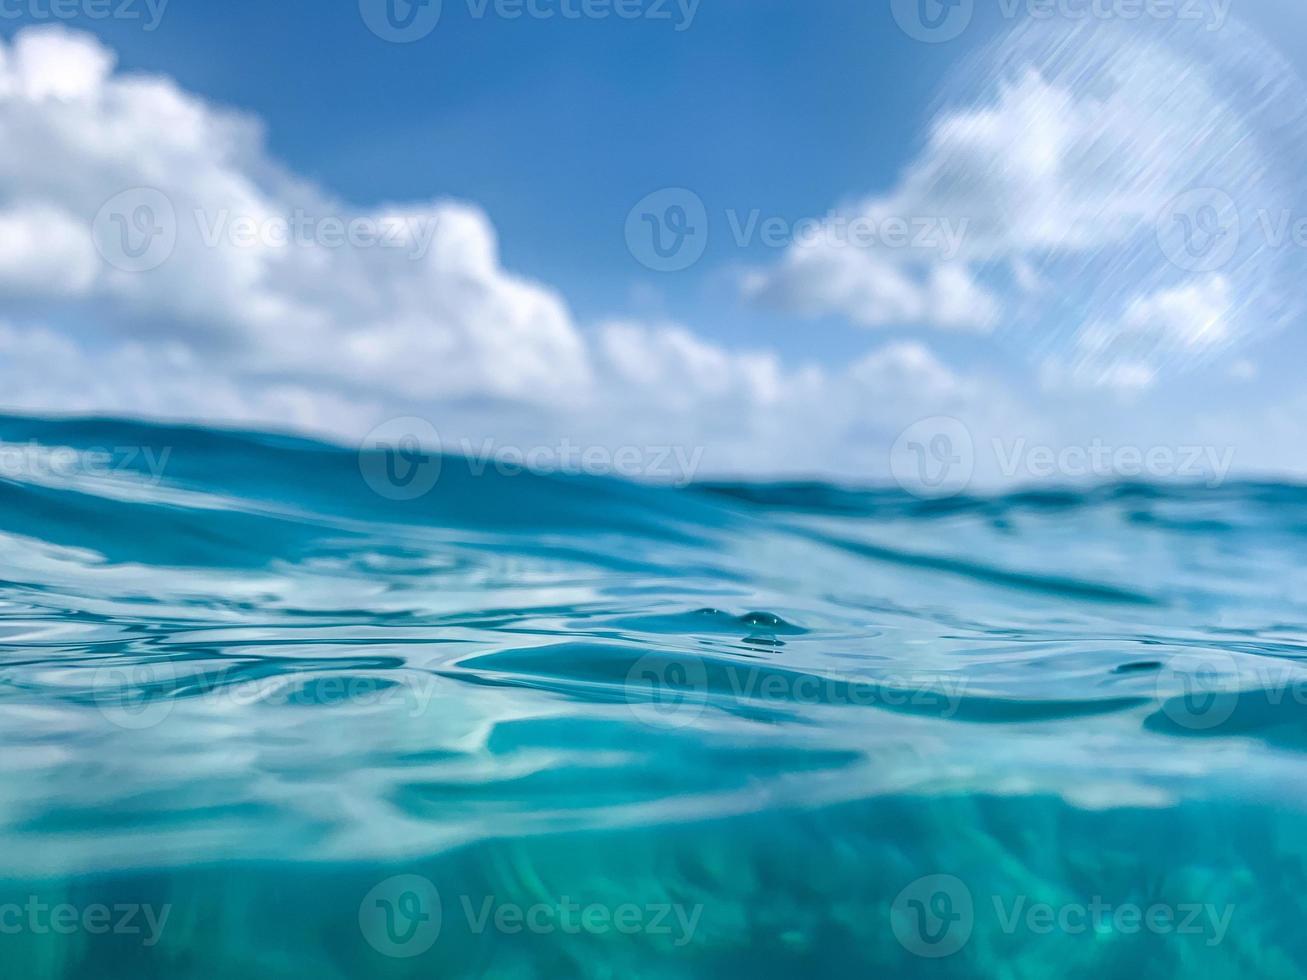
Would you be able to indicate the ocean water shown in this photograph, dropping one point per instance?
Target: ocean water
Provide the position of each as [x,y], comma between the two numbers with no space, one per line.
[273,709]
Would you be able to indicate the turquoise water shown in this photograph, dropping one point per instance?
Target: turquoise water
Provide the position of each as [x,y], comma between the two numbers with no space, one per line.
[264,719]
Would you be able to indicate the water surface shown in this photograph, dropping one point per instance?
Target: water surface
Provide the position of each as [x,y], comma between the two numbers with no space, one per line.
[540,725]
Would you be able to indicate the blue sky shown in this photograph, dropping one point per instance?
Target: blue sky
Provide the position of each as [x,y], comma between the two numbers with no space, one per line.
[557,127]
[553,129]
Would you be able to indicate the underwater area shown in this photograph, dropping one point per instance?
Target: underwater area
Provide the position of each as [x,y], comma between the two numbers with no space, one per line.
[262,719]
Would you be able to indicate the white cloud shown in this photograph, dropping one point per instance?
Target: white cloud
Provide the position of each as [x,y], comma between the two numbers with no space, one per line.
[234,322]
[1038,169]
[440,321]
[336,338]
[54,64]
[1194,316]
[680,366]
[47,372]
[905,366]
[44,251]
[1182,321]
[1061,162]
[872,290]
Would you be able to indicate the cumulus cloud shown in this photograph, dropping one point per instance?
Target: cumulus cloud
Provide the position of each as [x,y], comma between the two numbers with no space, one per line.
[44,252]
[755,412]
[158,261]
[1178,322]
[1075,160]
[872,289]
[180,271]
[258,269]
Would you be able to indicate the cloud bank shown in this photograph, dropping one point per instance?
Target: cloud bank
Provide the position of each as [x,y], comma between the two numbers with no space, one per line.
[180,271]
[157,261]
